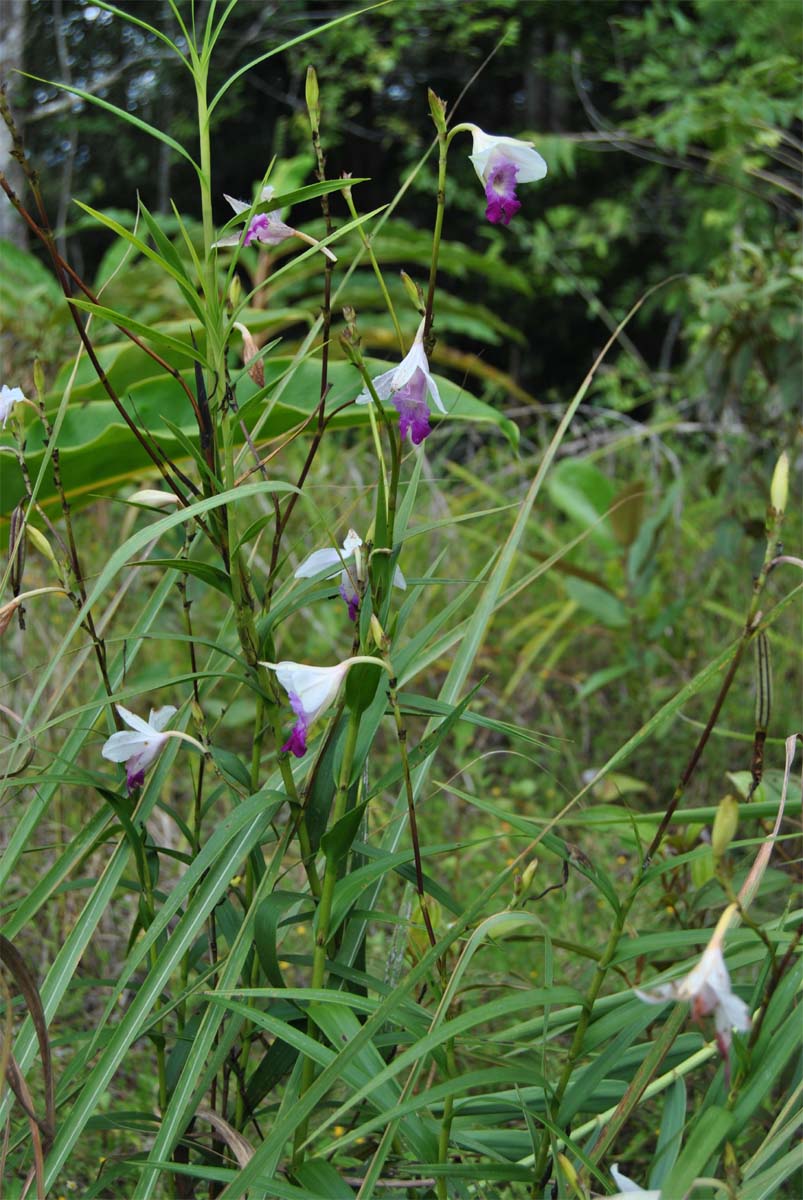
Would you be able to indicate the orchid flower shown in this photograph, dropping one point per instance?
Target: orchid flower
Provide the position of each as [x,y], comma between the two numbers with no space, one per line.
[501,163]
[311,691]
[628,1188]
[265,227]
[708,989]
[8,398]
[406,387]
[321,560]
[138,749]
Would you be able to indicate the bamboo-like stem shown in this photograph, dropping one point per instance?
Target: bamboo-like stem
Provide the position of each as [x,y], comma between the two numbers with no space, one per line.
[443,148]
[324,913]
[366,241]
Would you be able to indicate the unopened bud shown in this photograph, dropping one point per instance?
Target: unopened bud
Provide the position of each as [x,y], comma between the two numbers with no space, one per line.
[235,289]
[151,498]
[313,97]
[438,109]
[38,378]
[413,290]
[779,488]
[42,545]
[725,824]
[250,356]
[378,633]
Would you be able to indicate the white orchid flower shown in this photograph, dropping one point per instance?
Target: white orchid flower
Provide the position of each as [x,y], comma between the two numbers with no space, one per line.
[627,1187]
[139,748]
[267,228]
[311,691]
[501,163]
[322,560]
[707,987]
[406,386]
[8,398]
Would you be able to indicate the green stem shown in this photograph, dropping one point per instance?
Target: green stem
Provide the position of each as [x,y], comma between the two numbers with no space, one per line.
[324,913]
[443,147]
[366,241]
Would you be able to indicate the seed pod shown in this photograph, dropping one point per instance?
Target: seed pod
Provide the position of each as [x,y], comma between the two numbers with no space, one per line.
[17,544]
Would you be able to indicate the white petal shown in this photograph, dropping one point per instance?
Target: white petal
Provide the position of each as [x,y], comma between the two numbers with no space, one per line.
[383,386]
[318,561]
[414,360]
[529,163]
[352,542]
[122,746]
[398,579]
[660,994]
[266,193]
[316,687]
[239,206]
[133,720]
[732,1013]
[160,716]
[622,1181]
[231,239]
[433,391]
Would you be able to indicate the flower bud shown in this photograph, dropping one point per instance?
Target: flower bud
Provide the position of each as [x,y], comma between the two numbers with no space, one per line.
[151,498]
[725,824]
[779,488]
[313,100]
[38,378]
[313,97]
[42,545]
[378,633]
[235,290]
[250,355]
[413,291]
[437,107]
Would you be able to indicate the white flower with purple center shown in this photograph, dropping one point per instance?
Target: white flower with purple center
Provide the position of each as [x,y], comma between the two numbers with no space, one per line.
[139,748]
[406,386]
[501,163]
[267,228]
[311,690]
[322,560]
[8,398]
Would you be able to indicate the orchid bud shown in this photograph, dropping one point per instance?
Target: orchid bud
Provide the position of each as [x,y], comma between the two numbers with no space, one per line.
[725,824]
[413,290]
[313,99]
[437,108]
[378,633]
[235,289]
[251,356]
[38,378]
[152,498]
[779,488]
[42,545]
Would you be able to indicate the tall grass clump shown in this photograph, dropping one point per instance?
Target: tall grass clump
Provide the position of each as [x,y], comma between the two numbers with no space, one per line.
[297,900]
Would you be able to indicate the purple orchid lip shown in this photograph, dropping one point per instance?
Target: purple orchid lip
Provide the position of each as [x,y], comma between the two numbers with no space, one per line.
[297,742]
[413,409]
[500,192]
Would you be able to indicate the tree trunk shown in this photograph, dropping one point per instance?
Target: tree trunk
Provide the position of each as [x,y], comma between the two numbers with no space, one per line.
[12,38]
